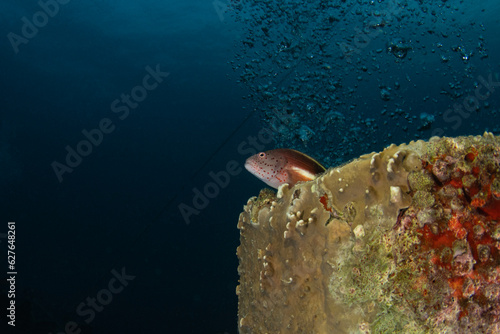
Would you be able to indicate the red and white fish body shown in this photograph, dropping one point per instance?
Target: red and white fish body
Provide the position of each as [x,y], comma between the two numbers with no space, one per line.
[283,165]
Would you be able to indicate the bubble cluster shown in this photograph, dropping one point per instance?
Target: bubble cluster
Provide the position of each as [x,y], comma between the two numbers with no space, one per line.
[313,68]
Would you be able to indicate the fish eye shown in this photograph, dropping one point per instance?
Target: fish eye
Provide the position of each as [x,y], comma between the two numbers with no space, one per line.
[262,154]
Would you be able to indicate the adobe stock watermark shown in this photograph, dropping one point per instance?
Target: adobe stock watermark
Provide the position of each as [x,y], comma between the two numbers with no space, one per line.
[371,30]
[470,103]
[220,8]
[30,27]
[87,309]
[221,179]
[121,107]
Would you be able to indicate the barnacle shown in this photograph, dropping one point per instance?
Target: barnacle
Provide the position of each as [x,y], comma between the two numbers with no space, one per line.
[411,245]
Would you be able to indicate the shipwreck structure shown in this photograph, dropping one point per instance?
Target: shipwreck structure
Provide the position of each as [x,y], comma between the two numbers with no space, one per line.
[402,241]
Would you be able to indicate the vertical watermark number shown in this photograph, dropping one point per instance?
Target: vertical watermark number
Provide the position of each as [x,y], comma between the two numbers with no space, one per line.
[11,273]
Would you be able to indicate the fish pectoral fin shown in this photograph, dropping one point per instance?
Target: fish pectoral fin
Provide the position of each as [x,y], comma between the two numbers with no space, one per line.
[300,174]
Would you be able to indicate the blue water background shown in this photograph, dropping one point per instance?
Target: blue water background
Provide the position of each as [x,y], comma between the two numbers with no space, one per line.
[119,207]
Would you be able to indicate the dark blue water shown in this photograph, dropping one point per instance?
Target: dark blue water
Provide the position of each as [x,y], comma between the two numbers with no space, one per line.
[117,115]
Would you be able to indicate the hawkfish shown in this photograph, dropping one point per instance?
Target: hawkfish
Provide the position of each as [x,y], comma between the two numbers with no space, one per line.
[283,165]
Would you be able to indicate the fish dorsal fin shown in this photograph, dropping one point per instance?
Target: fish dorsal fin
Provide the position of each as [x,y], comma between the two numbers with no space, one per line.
[300,159]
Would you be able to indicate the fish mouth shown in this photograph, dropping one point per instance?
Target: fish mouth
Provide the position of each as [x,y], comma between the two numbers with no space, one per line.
[247,166]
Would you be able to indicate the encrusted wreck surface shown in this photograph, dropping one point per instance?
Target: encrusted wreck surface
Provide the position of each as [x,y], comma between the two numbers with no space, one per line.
[406,240]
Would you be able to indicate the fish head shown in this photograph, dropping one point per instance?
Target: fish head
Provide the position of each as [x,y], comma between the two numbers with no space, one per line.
[269,167]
